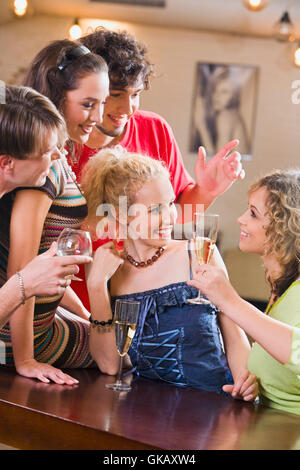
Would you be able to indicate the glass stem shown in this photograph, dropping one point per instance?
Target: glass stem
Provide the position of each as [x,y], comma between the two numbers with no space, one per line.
[119,374]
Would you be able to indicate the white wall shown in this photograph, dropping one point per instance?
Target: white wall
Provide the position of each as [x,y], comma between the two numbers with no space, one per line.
[21,39]
[175,53]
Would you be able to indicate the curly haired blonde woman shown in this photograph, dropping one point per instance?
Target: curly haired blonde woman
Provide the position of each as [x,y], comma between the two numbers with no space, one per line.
[271,228]
[175,341]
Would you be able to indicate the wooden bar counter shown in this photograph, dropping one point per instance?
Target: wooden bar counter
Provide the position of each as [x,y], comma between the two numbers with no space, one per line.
[152,415]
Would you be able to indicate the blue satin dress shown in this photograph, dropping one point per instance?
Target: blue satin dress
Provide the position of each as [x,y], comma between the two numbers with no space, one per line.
[176,341]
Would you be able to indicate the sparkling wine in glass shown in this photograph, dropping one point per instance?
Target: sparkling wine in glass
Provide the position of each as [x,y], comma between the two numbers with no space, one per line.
[74,242]
[205,231]
[125,319]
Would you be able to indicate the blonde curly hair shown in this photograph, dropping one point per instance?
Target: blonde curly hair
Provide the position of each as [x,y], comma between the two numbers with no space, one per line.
[283,230]
[113,173]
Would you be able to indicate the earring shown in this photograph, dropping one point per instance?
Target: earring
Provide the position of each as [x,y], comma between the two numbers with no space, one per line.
[119,244]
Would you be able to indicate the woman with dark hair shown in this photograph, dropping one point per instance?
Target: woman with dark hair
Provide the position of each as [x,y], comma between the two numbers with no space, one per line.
[30,130]
[77,82]
[271,228]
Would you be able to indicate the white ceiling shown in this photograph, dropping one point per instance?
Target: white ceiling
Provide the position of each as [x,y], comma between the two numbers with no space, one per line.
[218,15]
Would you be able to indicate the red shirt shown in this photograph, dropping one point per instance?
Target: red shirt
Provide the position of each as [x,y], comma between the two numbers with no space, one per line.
[149,134]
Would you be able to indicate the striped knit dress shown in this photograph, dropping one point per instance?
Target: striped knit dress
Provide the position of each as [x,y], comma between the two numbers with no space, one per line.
[60,337]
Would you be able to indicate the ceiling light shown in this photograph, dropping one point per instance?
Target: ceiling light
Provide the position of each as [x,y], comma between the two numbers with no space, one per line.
[297,56]
[75,31]
[284,28]
[20,7]
[255,5]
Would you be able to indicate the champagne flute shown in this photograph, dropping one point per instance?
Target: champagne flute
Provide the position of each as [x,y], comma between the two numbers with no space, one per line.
[125,319]
[74,242]
[205,230]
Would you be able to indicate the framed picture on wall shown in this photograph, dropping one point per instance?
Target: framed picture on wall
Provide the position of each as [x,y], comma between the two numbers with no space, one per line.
[223,107]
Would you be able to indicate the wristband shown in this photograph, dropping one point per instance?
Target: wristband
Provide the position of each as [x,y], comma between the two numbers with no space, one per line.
[101,326]
[21,284]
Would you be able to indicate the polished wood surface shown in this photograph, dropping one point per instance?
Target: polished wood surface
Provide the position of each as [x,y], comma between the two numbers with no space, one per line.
[152,415]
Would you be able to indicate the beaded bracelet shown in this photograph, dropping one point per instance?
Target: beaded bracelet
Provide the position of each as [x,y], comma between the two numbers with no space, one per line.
[21,284]
[101,326]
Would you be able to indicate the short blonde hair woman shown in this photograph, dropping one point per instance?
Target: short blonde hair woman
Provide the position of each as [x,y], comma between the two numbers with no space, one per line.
[26,119]
[113,174]
[271,228]
[30,130]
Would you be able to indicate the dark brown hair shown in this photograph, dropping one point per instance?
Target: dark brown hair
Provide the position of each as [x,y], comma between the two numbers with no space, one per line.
[26,117]
[56,70]
[125,56]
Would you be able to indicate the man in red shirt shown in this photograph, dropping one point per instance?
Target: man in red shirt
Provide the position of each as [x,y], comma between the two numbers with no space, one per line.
[148,133]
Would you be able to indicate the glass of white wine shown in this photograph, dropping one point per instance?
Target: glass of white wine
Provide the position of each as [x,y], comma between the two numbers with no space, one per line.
[74,242]
[125,319]
[205,231]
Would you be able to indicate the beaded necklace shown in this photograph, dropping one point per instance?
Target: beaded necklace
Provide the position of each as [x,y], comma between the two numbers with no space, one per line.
[148,262]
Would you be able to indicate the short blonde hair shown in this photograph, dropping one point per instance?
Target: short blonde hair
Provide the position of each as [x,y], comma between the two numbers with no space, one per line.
[113,173]
[283,230]
[26,117]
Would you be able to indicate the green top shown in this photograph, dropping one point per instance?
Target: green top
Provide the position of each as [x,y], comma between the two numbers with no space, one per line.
[279,384]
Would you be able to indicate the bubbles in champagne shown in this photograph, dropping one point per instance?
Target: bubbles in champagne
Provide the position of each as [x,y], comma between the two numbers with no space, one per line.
[204,248]
[124,332]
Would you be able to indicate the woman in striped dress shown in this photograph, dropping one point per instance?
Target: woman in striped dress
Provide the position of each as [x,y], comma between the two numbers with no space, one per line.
[30,129]
[42,336]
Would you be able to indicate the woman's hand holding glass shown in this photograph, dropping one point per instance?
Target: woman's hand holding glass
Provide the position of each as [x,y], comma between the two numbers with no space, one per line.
[46,273]
[205,231]
[74,242]
[214,283]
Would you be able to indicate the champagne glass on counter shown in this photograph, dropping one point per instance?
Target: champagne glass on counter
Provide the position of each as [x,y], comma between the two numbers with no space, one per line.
[125,319]
[205,231]
[74,242]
